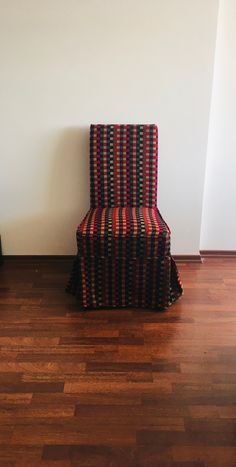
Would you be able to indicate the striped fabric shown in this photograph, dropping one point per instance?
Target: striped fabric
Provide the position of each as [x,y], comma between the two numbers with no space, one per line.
[123,242]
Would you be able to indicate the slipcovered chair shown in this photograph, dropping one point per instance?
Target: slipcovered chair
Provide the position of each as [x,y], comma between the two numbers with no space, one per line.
[123,242]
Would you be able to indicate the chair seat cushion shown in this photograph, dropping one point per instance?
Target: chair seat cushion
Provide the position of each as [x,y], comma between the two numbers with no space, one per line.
[125,232]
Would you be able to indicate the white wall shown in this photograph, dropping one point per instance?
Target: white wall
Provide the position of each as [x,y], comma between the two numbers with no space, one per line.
[67,63]
[219,208]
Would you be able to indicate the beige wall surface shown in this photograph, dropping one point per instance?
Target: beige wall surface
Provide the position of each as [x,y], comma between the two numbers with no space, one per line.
[67,63]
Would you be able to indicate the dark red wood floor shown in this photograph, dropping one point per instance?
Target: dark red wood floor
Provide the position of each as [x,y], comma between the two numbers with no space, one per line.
[121,387]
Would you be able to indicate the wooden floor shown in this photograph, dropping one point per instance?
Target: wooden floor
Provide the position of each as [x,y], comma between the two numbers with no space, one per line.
[122,387]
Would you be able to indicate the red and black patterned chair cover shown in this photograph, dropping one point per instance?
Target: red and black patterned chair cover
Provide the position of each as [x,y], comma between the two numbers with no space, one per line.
[123,242]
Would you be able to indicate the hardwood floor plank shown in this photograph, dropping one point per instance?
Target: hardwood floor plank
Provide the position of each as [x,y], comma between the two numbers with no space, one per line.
[32,387]
[179,438]
[211,456]
[73,433]
[20,455]
[122,387]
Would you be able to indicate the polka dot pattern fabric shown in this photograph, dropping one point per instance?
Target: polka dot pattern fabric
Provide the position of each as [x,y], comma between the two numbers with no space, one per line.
[123,242]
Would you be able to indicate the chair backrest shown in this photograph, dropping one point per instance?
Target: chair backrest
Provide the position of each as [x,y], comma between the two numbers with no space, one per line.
[123,165]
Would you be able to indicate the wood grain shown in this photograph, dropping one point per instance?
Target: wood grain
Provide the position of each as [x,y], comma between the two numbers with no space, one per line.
[114,388]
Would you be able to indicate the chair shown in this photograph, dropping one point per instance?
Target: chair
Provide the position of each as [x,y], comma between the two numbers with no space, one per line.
[123,242]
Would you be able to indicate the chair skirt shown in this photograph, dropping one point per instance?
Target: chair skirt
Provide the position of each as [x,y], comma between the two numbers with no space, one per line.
[101,282]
